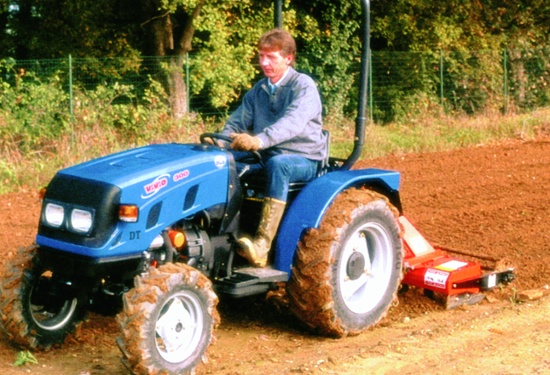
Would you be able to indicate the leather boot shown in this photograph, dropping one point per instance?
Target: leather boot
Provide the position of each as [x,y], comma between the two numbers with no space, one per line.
[256,250]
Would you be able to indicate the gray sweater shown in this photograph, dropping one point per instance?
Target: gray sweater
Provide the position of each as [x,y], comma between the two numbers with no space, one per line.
[289,120]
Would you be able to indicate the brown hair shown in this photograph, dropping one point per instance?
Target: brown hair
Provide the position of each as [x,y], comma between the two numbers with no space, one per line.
[278,40]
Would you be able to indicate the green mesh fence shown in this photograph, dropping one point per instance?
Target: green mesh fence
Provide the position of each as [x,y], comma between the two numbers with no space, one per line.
[402,83]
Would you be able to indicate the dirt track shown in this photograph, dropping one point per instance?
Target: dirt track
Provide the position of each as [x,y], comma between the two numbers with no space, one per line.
[490,200]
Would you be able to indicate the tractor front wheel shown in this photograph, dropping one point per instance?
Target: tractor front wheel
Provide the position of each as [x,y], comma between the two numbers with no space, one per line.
[347,272]
[36,312]
[168,320]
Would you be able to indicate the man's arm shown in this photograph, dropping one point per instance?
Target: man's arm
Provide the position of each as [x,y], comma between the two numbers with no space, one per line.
[242,119]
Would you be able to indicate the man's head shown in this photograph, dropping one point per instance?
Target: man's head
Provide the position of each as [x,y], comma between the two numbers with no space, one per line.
[277,51]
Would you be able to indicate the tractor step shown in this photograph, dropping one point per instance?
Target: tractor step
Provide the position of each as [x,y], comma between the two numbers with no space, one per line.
[249,281]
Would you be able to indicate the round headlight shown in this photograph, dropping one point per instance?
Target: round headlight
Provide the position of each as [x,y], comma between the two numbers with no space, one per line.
[54,215]
[81,220]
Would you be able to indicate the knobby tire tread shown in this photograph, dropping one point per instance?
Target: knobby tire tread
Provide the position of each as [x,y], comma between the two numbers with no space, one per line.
[139,302]
[20,272]
[309,289]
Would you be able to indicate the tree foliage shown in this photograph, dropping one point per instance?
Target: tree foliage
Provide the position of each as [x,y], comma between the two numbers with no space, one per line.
[419,25]
[222,36]
[38,29]
[224,64]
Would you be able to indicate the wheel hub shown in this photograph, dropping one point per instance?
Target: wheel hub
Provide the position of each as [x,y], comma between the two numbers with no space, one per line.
[179,327]
[365,268]
[171,326]
[356,266]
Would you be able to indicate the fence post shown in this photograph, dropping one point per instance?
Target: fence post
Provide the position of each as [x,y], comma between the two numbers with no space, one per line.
[71,109]
[188,99]
[441,94]
[505,68]
[371,106]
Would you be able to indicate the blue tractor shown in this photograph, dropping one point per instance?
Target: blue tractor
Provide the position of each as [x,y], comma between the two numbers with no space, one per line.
[152,231]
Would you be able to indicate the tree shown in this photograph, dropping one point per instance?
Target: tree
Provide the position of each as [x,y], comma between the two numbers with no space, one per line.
[39,29]
[5,43]
[171,26]
[222,36]
[328,33]
[223,65]
[105,28]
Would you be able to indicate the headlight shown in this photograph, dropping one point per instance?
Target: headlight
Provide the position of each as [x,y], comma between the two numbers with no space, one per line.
[54,215]
[81,220]
[66,216]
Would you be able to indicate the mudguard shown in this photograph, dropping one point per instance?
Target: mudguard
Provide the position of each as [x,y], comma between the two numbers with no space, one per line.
[309,207]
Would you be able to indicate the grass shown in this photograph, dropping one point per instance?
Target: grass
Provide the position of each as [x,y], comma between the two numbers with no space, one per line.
[31,170]
[446,133]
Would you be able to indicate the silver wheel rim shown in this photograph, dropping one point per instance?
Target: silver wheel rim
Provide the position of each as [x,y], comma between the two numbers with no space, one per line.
[179,327]
[365,267]
[52,321]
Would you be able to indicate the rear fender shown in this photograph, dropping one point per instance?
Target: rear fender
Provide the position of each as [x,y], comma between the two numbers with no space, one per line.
[309,207]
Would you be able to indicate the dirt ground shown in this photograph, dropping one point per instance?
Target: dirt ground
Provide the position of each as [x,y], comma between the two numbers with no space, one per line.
[490,200]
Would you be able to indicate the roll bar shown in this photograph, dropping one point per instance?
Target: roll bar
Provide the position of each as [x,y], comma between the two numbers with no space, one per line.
[361,120]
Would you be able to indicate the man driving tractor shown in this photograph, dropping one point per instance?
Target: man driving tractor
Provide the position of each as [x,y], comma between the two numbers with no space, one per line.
[281,118]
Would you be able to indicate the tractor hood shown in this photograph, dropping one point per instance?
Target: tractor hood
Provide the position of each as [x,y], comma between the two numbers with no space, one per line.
[143,172]
[166,182]
[142,164]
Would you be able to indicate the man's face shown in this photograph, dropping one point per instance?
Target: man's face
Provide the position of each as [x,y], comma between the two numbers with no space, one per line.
[273,64]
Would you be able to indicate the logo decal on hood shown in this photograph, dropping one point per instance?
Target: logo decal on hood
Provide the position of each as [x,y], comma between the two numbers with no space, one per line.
[219,161]
[153,187]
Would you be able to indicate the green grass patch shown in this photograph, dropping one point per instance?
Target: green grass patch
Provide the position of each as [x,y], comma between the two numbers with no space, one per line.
[446,133]
[90,137]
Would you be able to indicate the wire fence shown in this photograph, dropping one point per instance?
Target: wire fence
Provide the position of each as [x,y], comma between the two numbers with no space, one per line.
[401,83]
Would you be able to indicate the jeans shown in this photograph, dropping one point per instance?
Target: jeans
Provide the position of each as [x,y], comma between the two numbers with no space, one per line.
[279,171]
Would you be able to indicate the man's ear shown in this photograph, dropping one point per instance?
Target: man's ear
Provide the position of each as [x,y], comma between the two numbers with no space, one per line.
[289,59]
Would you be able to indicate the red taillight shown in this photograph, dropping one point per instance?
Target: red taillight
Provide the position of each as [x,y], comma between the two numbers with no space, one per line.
[128,213]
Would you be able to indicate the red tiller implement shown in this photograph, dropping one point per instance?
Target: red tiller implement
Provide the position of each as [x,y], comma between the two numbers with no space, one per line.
[454,281]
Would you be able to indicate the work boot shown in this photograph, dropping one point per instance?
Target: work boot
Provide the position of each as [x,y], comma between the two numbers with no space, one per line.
[256,250]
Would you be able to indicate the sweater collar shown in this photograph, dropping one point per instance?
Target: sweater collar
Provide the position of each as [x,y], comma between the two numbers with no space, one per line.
[272,86]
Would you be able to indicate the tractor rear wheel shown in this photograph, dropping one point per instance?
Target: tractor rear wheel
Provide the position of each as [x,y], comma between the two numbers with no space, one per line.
[36,313]
[347,272]
[168,320]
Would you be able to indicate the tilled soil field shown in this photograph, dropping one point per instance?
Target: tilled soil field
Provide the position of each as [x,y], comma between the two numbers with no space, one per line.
[490,201]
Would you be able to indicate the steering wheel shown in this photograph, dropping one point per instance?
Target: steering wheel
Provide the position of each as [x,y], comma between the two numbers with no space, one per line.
[254,155]
[214,137]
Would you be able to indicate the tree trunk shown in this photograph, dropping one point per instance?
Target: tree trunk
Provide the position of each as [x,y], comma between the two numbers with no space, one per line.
[520,79]
[172,34]
[177,89]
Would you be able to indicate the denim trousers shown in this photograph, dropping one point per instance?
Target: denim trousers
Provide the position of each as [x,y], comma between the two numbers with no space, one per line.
[279,171]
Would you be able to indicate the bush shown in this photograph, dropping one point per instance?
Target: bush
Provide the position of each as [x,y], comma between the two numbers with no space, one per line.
[33,112]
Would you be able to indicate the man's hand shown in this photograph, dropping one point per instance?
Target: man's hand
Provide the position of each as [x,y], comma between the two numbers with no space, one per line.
[245,142]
